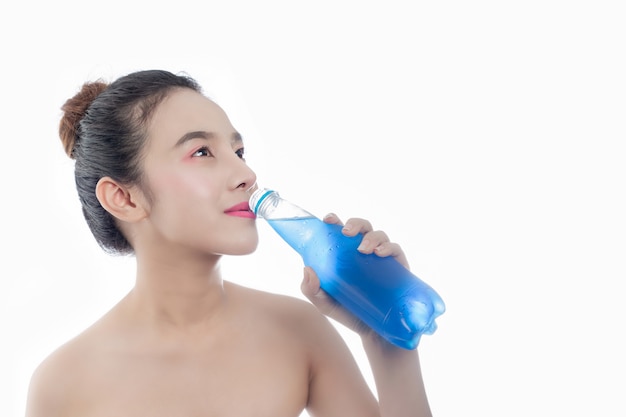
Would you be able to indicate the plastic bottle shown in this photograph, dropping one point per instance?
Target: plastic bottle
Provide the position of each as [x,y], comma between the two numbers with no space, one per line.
[380,291]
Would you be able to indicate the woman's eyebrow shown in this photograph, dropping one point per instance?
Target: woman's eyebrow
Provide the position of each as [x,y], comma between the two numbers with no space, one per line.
[198,134]
[201,134]
[236,138]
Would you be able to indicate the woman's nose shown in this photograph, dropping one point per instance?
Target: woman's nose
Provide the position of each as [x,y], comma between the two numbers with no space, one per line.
[245,177]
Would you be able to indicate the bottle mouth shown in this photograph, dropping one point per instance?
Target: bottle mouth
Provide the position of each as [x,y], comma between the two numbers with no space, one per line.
[257,197]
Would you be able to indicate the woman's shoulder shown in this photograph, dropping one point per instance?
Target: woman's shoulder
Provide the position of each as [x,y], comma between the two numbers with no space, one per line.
[68,355]
[262,301]
[285,311]
[53,378]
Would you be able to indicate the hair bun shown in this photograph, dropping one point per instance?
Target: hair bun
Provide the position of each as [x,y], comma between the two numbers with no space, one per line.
[74,110]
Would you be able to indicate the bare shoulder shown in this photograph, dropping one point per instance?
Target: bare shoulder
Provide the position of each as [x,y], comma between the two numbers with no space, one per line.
[290,313]
[63,372]
[51,381]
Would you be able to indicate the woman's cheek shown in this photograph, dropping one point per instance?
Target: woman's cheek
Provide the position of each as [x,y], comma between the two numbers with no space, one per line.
[182,184]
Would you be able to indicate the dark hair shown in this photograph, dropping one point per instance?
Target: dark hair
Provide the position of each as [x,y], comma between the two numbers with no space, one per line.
[104,129]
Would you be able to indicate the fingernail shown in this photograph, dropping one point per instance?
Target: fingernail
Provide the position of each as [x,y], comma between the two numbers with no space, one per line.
[364,245]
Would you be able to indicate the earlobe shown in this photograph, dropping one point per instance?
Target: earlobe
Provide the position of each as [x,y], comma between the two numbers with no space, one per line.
[119,200]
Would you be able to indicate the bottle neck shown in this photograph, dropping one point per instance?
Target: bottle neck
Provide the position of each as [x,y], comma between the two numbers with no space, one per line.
[269,205]
[258,197]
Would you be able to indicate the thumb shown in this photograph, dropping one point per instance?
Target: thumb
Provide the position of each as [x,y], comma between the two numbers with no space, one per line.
[311,289]
[327,305]
[310,285]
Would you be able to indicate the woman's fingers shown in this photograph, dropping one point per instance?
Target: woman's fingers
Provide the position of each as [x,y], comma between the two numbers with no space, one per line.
[394,250]
[355,225]
[374,241]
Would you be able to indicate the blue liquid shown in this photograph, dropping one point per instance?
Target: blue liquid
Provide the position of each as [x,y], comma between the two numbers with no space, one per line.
[380,291]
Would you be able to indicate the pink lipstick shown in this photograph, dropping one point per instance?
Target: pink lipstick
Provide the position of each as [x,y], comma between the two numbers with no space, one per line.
[241,210]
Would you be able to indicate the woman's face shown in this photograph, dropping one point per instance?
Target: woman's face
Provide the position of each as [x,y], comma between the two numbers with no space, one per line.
[198,178]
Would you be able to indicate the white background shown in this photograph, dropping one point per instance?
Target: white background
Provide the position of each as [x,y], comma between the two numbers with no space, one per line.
[487,137]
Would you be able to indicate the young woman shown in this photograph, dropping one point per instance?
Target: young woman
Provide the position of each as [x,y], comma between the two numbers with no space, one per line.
[161,175]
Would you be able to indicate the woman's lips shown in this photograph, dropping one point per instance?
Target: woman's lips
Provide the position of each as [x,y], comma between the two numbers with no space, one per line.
[241,210]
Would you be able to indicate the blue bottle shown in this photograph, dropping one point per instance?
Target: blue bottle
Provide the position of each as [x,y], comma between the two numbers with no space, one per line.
[378,290]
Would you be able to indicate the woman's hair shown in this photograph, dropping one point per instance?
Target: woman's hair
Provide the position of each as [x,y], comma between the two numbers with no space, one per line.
[104,129]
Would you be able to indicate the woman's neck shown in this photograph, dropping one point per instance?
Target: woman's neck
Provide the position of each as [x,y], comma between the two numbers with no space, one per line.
[178,291]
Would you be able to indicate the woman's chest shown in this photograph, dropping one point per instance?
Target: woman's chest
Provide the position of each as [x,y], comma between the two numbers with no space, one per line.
[238,381]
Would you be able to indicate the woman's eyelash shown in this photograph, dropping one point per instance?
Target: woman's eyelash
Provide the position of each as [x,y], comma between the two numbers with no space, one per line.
[204,151]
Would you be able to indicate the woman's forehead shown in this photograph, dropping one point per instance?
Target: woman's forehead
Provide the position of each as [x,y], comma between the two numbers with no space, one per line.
[185,110]
[186,104]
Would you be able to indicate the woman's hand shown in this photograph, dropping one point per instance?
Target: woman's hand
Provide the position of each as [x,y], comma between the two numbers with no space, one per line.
[374,241]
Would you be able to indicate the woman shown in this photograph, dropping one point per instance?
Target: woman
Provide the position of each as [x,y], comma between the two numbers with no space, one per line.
[161,175]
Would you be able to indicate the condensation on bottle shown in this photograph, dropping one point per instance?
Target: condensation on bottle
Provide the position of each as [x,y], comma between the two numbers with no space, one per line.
[380,291]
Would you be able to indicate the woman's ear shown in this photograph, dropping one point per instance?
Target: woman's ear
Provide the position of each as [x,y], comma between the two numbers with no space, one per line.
[124,203]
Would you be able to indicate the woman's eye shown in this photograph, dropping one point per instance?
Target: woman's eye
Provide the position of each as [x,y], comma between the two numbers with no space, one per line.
[204,151]
[240,153]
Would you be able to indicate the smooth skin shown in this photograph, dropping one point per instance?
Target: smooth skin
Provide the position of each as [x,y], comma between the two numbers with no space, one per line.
[185,342]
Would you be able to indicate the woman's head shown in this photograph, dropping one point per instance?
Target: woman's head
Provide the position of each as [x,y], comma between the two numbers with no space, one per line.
[104,129]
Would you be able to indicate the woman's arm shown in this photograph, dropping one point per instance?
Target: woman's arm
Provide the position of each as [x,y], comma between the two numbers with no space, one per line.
[398,377]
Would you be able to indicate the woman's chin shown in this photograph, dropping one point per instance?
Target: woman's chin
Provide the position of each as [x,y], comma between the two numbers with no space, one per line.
[243,247]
